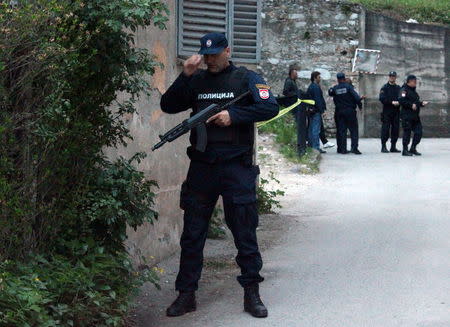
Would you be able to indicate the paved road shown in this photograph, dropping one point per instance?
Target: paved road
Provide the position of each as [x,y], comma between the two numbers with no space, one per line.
[368,245]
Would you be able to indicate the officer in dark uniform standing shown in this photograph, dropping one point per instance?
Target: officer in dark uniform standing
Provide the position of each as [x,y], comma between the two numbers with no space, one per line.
[410,115]
[225,168]
[346,100]
[390,117]
[293,93]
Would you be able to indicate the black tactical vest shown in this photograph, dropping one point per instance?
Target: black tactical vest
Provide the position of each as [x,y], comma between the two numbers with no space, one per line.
[221,88]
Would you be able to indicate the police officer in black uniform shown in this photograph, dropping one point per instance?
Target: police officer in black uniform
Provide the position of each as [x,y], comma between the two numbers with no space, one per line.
[292,93]
[346,100]
[390,117]
[225,168]
[410,115]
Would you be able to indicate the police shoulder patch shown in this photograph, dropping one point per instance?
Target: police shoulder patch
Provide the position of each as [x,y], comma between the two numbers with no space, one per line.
[262,86]
[264,94]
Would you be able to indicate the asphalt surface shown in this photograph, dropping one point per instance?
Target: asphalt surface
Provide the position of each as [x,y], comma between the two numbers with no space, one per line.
[368,244]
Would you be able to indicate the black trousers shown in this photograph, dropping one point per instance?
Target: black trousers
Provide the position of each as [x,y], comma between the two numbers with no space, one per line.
[236,182]
[414,126]
[323,137]
[390,126]
[346,120]
[302,128]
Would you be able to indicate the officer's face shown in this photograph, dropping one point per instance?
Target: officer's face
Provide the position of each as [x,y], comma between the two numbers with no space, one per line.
[412,83]
[294,74]
[318,79]
[217,62]
[392,79]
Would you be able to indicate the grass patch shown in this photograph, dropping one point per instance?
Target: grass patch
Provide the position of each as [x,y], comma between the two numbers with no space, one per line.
[285,132]
[219,263]
[424,11]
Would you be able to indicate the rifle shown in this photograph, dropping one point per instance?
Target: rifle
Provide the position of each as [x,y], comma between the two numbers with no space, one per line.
[197,121]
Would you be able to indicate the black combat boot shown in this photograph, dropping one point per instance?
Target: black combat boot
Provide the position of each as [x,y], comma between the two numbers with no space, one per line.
[253,303]
[394,149]
[184,303]
[406,153]
[414,151]
[383,148]
[356,151]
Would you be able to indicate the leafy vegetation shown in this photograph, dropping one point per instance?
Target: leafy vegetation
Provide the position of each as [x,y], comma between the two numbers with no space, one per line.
[285,131]
[429,11]
[64,206]
[216,228]
[267,199]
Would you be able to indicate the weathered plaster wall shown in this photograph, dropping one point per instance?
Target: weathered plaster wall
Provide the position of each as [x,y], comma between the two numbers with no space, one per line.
[422,50]
[310,35]
[168,165]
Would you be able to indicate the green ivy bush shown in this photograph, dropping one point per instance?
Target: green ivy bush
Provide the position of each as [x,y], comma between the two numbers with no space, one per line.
[267,198]
[64,206]
[92,291]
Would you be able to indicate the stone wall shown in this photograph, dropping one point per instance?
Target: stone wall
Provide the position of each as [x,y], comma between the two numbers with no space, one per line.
[310,35]
[168,165]
[322,35]
[422,50]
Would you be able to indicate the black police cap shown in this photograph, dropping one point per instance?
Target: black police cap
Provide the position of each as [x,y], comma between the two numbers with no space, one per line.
[213,43]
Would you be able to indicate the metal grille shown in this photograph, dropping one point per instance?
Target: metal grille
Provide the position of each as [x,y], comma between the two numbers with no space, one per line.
[196,18]
[238,19]
[245,26]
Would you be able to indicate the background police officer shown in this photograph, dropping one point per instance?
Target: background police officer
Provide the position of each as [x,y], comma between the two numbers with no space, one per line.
[225,168]
[410,114]
[293,93]
[346,100]
[390,117]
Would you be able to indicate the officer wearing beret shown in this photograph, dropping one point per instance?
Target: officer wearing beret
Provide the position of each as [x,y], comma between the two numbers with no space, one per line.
[390,117]
[410,115]
[345,100]
[225,168]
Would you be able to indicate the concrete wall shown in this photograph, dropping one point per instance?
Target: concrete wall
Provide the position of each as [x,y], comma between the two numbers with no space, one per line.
[168,165]
[310,35]
[422,50]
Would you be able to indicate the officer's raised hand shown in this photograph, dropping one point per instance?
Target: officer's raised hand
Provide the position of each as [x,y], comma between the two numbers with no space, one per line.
[221,119]
[191,65]
[424,103]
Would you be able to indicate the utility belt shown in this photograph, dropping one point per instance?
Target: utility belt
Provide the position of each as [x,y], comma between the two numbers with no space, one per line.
[219,153]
